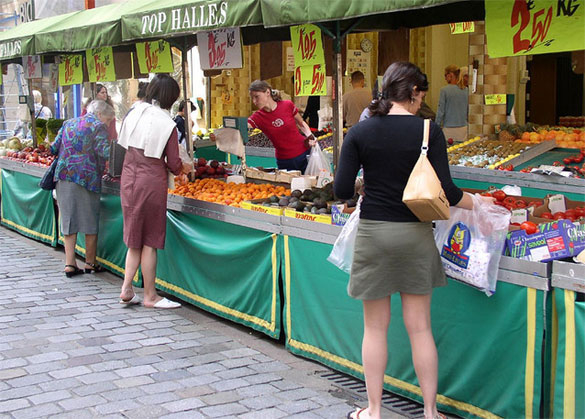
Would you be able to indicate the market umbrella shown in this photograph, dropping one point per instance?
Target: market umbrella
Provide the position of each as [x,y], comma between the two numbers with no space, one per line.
[20,41]
[337,18]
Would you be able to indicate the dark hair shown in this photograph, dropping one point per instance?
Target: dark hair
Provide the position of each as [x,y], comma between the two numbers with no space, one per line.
[357,76]
[142,85]
[183,104]
[262,86]
[164,89]
[400,80]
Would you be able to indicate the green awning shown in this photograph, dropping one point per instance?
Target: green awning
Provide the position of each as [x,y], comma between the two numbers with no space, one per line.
[157,19]
[367,15]
[92,28]
[20,40]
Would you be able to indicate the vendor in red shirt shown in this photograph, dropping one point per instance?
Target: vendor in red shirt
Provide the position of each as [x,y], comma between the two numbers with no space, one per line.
[280,121]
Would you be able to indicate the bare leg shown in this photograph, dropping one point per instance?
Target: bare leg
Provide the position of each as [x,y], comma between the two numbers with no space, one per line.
[132,264]
[90,249]
[416,310]
[70,241]
[148,264]
[375,351]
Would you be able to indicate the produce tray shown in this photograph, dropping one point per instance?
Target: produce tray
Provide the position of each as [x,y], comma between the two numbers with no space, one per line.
[532,153]
[549,157]
[22,167]
[568,275]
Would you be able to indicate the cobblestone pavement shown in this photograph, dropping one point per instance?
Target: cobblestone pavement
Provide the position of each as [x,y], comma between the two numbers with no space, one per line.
[69,350]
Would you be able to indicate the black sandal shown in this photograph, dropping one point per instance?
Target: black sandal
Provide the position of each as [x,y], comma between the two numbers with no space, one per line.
[94,268]
[74,272]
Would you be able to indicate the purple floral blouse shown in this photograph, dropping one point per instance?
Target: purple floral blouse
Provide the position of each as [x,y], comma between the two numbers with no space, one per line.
[83,148]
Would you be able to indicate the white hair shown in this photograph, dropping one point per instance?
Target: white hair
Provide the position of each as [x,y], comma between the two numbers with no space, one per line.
[38,97]
[99,106]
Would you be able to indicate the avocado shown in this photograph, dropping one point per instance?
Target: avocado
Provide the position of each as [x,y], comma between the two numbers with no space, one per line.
[283,202]
[320,203]
[314,210]
[351,203]
[322,211]
[296,193]
[299,206]
[293,199]
[293,205]
[309,194]
[274,199]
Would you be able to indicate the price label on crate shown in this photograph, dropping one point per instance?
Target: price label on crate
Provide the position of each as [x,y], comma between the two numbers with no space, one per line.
[527,27]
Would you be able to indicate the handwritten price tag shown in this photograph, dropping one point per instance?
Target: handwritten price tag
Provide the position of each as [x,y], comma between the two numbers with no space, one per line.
[71,70]
[100,64]
[526,27]
[496,99]
[33,67]
[220,48]
[462,27]
[154,57]
[307,45]
[310,80]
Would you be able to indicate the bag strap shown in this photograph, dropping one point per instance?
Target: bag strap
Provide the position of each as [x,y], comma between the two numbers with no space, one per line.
[425,142]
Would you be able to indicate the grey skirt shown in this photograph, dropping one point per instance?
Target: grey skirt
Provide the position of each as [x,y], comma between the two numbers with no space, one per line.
[391,257]
[79,209]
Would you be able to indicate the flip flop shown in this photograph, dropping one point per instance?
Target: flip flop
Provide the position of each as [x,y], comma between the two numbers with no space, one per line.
[357,413]
[133,301]
[165,304]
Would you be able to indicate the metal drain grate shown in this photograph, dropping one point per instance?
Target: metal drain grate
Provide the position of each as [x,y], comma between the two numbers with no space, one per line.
[390,401]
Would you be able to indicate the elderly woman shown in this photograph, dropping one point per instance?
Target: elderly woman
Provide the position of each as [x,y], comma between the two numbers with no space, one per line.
[150,138]
[82,147]
[41,111]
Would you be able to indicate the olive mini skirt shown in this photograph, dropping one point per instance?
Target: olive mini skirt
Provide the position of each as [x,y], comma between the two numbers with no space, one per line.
[391,257]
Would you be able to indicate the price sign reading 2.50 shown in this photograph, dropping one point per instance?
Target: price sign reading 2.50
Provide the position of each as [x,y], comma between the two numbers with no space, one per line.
[521,17]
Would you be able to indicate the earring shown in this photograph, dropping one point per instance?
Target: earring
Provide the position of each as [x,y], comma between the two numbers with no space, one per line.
[412,100]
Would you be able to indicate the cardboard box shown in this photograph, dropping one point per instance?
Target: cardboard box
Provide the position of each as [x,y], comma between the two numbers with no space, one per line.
[320,218]
[256,205]
[261,173]
[555,240]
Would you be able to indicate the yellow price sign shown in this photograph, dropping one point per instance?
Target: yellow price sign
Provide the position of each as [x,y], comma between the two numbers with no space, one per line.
[523,27]
[310,80]
[307,45]
[154,57]
[495,99]
[71,70]
[100,64]
[462,27]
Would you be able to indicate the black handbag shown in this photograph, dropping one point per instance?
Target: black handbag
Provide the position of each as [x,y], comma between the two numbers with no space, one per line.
[47,182]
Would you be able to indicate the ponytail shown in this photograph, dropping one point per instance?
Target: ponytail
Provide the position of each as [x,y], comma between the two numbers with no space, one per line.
[275,95]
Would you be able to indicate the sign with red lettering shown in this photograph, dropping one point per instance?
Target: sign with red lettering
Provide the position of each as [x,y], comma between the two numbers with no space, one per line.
[154,57]
[220,48]
[100,64]
[462,27]
[307,45]
[310,80]
[33,67]
[71,70]
[527,27]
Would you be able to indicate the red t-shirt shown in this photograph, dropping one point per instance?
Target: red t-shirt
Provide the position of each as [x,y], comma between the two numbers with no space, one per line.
[280,127]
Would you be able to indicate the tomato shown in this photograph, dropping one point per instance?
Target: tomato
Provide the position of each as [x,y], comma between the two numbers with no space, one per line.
[535,204]
[486,194]
[510,206]
[510,201]
[529,227]
[571,213]
[567,160]
[509,168]
[520,204]
[558,215]
[570,218]
[547,215]
[557,163]
[578,159]
[499,195]
[580,211]
[515,224]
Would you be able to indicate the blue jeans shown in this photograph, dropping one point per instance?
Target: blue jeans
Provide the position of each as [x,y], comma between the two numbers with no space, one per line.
[297,163]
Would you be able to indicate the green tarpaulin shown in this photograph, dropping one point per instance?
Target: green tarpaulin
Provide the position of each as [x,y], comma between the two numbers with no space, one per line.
[20,40]
[27,208]
[490,348]
[161,19]
[370,14]
[92,28]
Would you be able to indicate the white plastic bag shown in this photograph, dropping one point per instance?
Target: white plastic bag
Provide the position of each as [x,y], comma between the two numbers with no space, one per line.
[471,243]
[317,161]
[342,253]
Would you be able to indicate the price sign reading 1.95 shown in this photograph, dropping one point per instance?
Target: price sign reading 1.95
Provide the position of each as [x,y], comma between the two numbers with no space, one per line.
[307,44]
[524,27]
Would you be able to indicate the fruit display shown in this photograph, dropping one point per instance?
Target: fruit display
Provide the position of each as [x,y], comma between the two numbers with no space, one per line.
[565,137]
[212,169]
[256,138]
[219,192]
[326,140]
[484,153]
[40,156]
